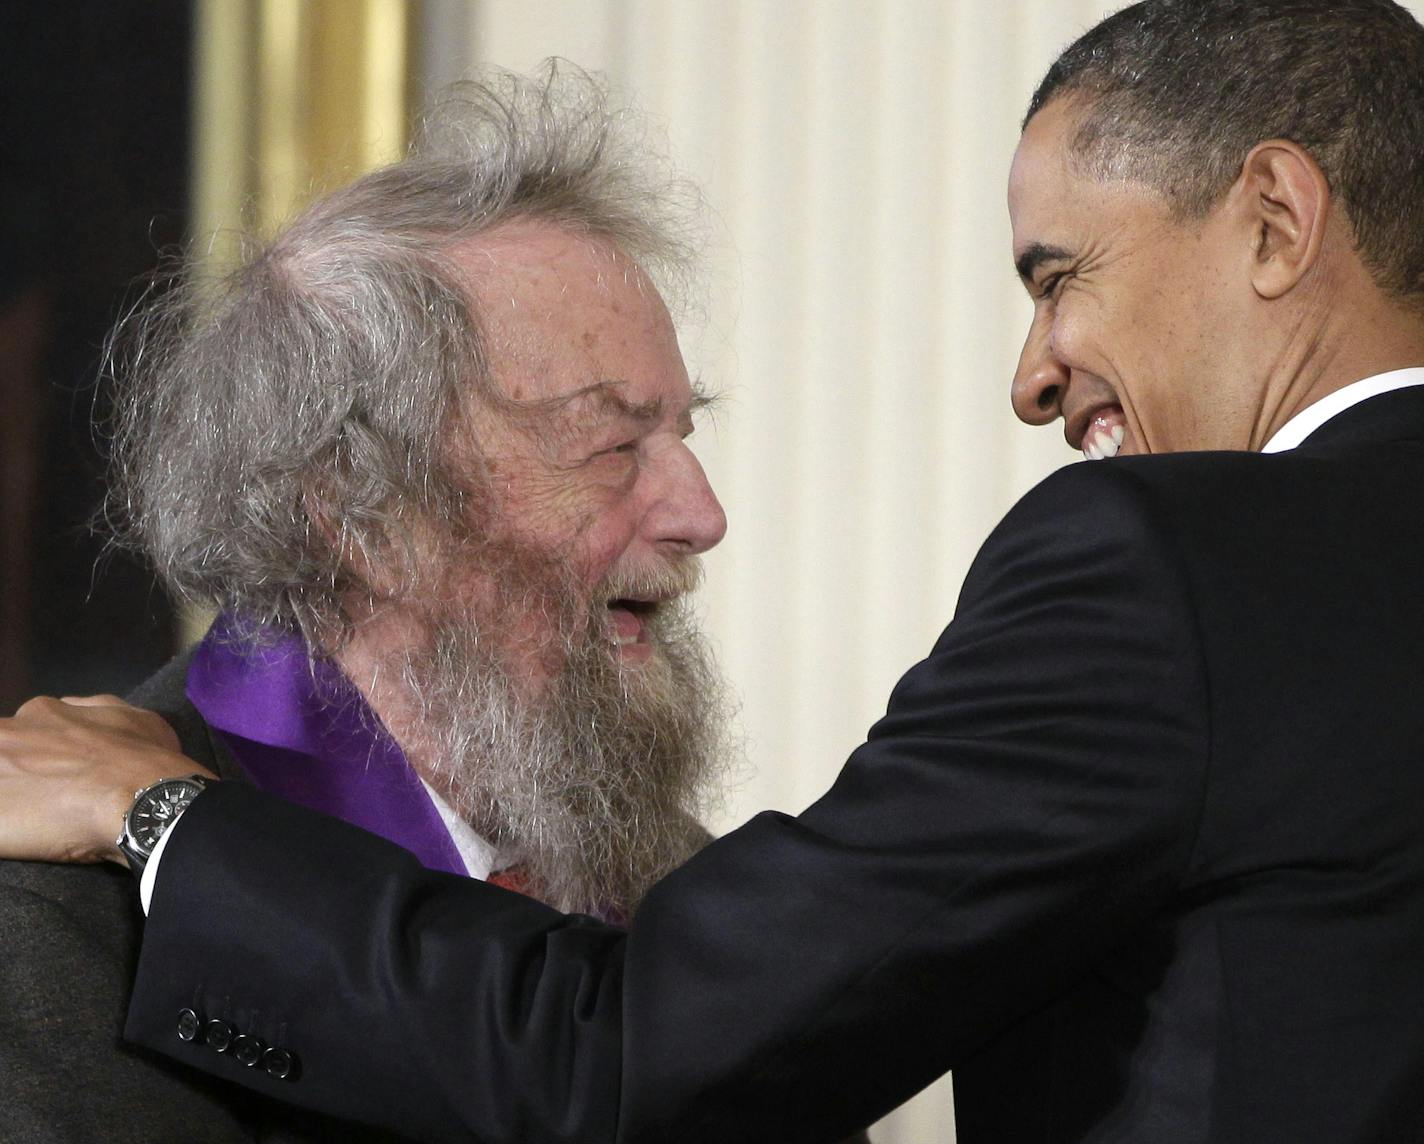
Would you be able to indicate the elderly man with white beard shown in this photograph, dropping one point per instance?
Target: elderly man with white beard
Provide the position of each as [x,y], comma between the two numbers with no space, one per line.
[426,453]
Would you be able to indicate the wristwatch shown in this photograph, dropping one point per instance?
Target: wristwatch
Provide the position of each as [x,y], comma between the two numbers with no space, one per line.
[154,810]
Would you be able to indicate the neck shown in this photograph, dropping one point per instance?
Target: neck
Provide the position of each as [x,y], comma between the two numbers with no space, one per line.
[365,662]
[1345,345]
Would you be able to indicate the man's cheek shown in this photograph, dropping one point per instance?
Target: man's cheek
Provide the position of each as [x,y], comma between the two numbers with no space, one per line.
[555,507]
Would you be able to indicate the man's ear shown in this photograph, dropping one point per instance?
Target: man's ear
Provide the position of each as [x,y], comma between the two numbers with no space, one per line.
[374,570]
[1287,197]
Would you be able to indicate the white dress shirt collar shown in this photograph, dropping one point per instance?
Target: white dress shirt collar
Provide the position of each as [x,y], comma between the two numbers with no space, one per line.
[1312,417]
[482,858]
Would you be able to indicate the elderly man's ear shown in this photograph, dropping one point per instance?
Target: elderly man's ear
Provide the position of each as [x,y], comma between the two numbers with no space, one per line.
[1284,198]
[371,558]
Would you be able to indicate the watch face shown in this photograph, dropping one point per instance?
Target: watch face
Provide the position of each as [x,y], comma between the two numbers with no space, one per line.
[155,811]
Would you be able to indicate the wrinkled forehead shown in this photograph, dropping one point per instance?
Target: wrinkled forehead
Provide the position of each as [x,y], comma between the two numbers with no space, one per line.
[558,309]
[577,346]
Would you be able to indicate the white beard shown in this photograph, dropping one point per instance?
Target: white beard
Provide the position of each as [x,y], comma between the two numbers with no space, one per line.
[595,783]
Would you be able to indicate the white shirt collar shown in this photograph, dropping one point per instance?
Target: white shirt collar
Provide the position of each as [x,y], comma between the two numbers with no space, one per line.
[481,857]
[1312,417]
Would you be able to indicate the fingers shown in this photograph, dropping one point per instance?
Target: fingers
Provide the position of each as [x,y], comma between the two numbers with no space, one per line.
[90,717]
[38,707]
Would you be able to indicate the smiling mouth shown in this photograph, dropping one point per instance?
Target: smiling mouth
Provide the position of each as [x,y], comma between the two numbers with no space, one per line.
[1103,435]
[635,600]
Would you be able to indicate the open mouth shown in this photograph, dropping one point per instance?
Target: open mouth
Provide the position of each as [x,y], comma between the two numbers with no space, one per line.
[636,599]
[1104,433]
[628,620]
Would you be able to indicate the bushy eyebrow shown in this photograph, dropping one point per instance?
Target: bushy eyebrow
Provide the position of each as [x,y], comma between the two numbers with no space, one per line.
[608,397]
[607,400]
[1035,255]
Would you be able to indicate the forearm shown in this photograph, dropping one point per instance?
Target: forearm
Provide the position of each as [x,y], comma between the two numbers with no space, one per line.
[418,1001]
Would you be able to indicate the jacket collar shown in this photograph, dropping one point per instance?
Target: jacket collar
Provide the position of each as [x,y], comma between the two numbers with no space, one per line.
[1394,416]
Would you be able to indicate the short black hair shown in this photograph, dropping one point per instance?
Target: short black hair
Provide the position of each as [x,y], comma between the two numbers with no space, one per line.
[1175,93]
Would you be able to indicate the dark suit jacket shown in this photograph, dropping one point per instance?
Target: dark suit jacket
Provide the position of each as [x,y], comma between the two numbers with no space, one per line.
[69,939]
[1138,851]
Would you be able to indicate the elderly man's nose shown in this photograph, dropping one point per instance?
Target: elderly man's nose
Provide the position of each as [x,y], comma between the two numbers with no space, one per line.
[690,517]
[1039,381]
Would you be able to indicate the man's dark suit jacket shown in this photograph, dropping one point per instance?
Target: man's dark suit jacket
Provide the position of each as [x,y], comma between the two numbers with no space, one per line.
[1138,851]
[69,937]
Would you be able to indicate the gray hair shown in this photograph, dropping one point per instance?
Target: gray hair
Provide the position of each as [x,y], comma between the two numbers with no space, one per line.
[1175,93]
[281,429]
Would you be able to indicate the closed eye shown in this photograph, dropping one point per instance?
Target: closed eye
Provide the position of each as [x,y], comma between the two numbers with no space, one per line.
[628,448]
[1048,288]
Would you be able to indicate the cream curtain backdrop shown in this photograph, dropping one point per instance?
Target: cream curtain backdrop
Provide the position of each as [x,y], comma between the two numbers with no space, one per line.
[864,326]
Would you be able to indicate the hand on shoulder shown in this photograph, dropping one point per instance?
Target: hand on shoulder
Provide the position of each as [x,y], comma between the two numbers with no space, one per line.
[69,769]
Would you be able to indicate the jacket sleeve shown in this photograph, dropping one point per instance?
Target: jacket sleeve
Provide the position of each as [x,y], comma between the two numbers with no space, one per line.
[1031,795]
[426,1003]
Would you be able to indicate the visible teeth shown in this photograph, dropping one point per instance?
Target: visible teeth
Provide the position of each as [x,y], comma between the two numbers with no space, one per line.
[1103,444]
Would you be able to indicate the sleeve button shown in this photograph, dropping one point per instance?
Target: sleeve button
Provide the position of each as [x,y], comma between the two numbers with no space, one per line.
[280,1064]
[247,1049]
[219,1035]
[189,1025]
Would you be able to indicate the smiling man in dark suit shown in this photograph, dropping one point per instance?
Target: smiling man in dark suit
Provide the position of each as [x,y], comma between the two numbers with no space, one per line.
[1138,850]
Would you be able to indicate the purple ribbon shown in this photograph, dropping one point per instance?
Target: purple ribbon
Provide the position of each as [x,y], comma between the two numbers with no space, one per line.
[301,730]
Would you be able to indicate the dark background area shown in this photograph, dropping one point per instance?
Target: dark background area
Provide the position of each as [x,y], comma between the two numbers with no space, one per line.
[95,101]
